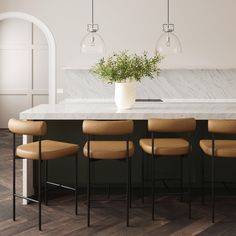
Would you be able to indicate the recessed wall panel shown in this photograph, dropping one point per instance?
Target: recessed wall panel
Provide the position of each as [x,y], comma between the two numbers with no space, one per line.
[14,69]
[40,69]
[14,31]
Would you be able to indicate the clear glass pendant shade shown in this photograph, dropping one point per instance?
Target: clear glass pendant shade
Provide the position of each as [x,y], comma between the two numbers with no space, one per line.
[168,43]
[93,43]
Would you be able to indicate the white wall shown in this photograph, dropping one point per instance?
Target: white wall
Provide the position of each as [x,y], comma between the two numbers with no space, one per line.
[206,28]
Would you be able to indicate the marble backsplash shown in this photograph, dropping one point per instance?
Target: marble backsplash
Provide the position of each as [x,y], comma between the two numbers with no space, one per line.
[171,84]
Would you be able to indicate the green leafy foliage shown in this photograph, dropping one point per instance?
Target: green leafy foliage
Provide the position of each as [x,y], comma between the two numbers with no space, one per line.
[124,66]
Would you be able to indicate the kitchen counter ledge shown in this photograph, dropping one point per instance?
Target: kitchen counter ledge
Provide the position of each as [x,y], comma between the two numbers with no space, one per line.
[202,110]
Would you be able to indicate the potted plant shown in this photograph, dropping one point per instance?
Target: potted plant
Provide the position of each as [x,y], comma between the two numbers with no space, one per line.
[125,69]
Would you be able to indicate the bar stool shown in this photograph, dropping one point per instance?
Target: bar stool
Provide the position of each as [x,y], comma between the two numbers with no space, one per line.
[108,150]
[161,147]
[43,150]
[217,148]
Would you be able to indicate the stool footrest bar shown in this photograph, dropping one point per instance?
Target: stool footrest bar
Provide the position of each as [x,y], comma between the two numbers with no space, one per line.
[108,200]
[60,185]
[26,198]
[162,179]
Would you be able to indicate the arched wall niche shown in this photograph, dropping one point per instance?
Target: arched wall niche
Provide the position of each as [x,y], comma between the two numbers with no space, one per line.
[51,47]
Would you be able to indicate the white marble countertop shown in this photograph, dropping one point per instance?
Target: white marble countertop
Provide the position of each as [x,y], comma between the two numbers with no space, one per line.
[140,111]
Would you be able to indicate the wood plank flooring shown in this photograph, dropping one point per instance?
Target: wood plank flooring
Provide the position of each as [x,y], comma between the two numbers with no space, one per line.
[107,218]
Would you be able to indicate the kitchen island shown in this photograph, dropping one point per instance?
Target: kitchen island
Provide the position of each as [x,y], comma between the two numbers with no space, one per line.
[65,121]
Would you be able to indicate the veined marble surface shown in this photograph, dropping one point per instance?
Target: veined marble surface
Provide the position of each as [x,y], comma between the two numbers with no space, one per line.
[171,85]
[140,111]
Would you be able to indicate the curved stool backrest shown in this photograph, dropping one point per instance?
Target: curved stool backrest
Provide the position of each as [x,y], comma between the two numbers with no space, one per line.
[172,125]
[222,126]
[35,128]
[95,127]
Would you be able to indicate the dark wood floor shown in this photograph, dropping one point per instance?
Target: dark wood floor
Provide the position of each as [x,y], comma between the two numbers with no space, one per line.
[108,218]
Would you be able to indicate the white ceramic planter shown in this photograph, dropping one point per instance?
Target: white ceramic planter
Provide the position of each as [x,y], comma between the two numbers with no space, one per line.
[125,94]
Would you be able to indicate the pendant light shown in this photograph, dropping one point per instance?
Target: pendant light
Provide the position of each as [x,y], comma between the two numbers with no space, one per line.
[92,43]
[168,43]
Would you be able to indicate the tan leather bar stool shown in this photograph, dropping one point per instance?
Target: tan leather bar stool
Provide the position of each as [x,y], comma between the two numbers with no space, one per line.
[160,147]
[108,150]
[217,148]
[43,150]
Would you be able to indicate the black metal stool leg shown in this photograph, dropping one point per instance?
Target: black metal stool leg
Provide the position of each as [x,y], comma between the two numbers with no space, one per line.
[203,180]
[39,193]
[76,184]
[213,188]
[153,179]
[190,186]
[14,181]
[128,203]
[88,192]
[128,192]
[153,187]
[45,183]
[181,178]
[130,187]
[142,173]
[39,183]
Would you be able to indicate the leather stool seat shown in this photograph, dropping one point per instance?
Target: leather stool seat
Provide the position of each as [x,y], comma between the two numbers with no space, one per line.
[50,150]
[41,151]
[121,149]
[223,148]
[165,146]
[214,148]
[108,150]
[168,147]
